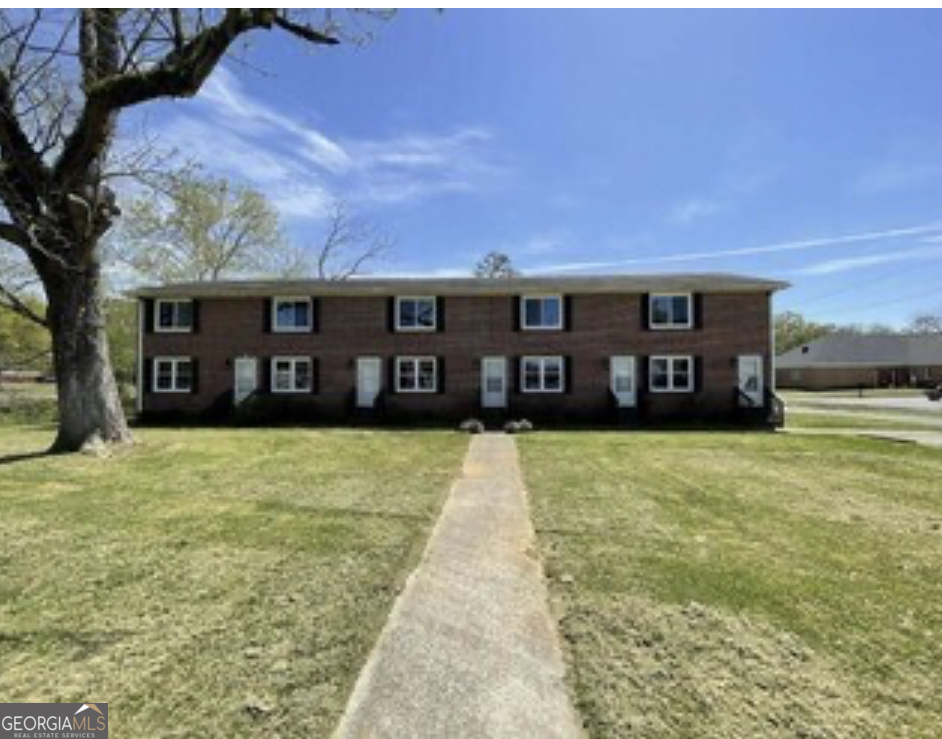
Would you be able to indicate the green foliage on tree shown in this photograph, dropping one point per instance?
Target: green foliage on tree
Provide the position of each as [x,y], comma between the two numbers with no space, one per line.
[199,228]
[793,329]
[24,344]
[495,265]
[122,339]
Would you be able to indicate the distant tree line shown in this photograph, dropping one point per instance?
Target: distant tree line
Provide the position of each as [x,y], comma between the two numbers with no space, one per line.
[793,329]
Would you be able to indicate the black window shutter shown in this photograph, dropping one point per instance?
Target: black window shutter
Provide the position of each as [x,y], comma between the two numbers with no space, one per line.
[315,375]
[567,313]
[641,378]
[147,305]
[147,381]
[645,312]
[697,374]
[391,376]
[195,316]
[697,309]
[517,371]
[517,300]
[391,314]
[439,314]
[315,315]
[266,315]
[567,375]
[194,375]
[440,375]
[264,375]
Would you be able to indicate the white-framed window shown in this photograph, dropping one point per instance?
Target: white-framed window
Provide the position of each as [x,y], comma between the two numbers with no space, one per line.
[173,316]
[291,315]
[291,374]
[542,374]
[670,374]
[541,312]
[416,374]
[173,375]
[670,311]
[416,314]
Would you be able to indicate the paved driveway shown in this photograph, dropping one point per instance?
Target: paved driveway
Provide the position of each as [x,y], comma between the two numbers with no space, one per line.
[904,403]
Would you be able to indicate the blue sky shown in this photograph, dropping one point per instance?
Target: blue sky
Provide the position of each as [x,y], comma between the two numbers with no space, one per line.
[803,145]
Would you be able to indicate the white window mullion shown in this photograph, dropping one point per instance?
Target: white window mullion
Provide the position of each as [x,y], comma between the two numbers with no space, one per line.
[286,375]
[666,372]
[416,374]
[169,374]
[543,374]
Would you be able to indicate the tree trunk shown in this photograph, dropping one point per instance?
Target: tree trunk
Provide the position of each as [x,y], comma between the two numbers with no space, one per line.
[90,409]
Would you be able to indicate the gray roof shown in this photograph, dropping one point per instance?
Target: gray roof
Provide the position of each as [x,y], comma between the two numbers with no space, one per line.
[864,350]
[707,282]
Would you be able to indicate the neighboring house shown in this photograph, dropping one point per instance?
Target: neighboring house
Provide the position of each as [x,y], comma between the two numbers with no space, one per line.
[847,360]
[566,349]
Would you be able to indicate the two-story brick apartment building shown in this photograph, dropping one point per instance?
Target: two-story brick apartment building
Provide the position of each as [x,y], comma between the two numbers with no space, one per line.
[558,348]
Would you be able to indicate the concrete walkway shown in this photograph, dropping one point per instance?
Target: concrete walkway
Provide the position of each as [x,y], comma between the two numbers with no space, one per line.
[470,649]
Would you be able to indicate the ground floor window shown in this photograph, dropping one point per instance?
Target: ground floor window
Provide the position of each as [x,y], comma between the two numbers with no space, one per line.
[291,375]
[671,374]
[416,374]
[541,374]
[173,374]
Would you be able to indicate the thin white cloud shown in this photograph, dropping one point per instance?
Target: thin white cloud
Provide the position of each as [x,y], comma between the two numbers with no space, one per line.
[541,245]
[695,209]
[444,273]
[301,168]
[775,248]
[847,264]
[224,92]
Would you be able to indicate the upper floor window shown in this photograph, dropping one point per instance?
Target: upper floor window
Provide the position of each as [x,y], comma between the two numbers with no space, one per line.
[416,374]
[173,316]
[541,374]
[542,311]
[671,374]
[671,311]
[173,374]
[291,314]
[416,314]
[291,375]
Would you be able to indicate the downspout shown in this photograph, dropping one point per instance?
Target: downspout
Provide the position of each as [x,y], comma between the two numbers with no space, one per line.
[771,342]
[139,359]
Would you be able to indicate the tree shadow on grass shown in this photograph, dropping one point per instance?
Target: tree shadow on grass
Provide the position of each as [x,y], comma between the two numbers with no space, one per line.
[22,457]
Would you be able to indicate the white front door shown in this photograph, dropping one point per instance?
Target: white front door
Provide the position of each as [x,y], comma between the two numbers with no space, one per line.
[750,378]
[246,378]
[369,372]
[494,382]
[623,381]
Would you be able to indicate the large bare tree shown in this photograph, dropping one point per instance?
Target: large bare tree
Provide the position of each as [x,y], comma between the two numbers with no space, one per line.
[349,245]
[65,79]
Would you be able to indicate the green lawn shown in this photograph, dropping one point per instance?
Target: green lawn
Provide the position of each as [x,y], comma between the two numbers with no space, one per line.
[210,582]
[744,584]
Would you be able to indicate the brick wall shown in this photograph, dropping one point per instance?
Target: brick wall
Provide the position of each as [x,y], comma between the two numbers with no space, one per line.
[600,326]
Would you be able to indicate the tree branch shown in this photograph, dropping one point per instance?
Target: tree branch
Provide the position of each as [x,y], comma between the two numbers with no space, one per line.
[304,32]
[10,301]
[15,235]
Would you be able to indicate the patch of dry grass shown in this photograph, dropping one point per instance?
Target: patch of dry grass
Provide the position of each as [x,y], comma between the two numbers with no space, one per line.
[210,582]
[744,584]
